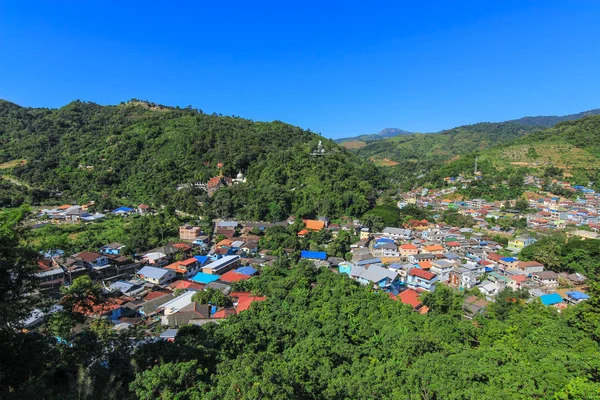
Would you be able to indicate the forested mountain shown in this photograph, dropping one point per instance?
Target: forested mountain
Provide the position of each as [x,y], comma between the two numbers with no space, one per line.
[418,153]
[415,154]
[570,150]
[383,134]
[549,121]
[140,152]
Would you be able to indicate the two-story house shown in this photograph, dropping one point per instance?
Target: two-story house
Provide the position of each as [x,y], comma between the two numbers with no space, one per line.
[421,279]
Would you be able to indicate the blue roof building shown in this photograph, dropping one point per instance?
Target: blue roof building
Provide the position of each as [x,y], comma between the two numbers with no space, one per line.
[122,210]
[246,271]
[551,299]
[509,259]
[202,259]
[202,277]
[313,255]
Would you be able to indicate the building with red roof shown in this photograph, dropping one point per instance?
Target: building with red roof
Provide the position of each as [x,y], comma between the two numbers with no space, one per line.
[245,299]
[421,280]
[410,297]
[233,276]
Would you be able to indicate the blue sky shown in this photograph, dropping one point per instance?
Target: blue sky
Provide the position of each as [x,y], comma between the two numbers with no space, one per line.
[338,68]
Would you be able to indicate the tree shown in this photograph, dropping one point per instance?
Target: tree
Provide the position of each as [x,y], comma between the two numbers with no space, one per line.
[214,297]
[170,381]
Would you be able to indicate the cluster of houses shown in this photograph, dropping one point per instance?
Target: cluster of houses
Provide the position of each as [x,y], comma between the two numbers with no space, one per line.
[544,213]
[82,213]
[158,286]
[406,262]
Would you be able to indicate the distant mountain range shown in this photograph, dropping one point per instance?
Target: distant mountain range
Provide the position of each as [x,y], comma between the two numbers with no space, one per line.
[541,121]
[549,121]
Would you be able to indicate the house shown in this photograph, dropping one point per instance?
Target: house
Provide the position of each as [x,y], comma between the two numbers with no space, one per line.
[420,279]
[111,308]
[50,277]
[113,249]
[250,246]
[552,299]
[407,250]
[313,225]
[576,297]
[382,277]
[201,241]
[185,268]
[517,244]
[421,257]
[126,288]
[397,233]
[92,260]
[155,258]
[169,335]
[247,271]
[122,211]
[410,297]
[188,232]
[187,314]
[462,277]
[364,234]
[244,300]
[143,209]
[173,306]
[473,305]
[233,276]
[313,255]
[488,288]
[433,249]
[187,285]
[508,262]
[369,262]
[157,276]
[516,281]
[442,269]
[528,267]
[577,278]
[204,278]
[385,247]
[222,265]
[547,278]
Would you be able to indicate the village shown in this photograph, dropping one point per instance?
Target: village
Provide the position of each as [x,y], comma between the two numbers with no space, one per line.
[156,288]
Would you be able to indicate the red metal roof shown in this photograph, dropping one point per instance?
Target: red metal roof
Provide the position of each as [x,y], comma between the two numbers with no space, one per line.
[422,274]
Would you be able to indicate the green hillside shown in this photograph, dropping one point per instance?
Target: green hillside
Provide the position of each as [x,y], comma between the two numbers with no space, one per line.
[419,153]
[570,150]
[141,152]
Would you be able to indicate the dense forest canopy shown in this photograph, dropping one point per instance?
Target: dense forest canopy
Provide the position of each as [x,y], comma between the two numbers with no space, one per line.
[140,152]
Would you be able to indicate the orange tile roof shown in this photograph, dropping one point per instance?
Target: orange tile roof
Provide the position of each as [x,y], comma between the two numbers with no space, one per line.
[189,261]
[314,225]
[245,299]
[408,247]
[410,297]
[435,247]
[232,276]
[225,242]
[303,232]
[186,285]
[425,265]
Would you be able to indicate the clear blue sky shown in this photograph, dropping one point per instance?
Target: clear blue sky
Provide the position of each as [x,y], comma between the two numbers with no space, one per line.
[337,68]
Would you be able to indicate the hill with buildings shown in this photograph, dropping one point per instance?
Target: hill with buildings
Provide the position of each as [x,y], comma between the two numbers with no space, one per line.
[143,152]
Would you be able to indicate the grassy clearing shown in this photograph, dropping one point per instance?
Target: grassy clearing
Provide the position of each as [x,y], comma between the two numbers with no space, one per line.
[383,162]
[356,144]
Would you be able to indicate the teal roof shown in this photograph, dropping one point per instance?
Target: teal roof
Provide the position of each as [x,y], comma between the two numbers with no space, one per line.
[202,277]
